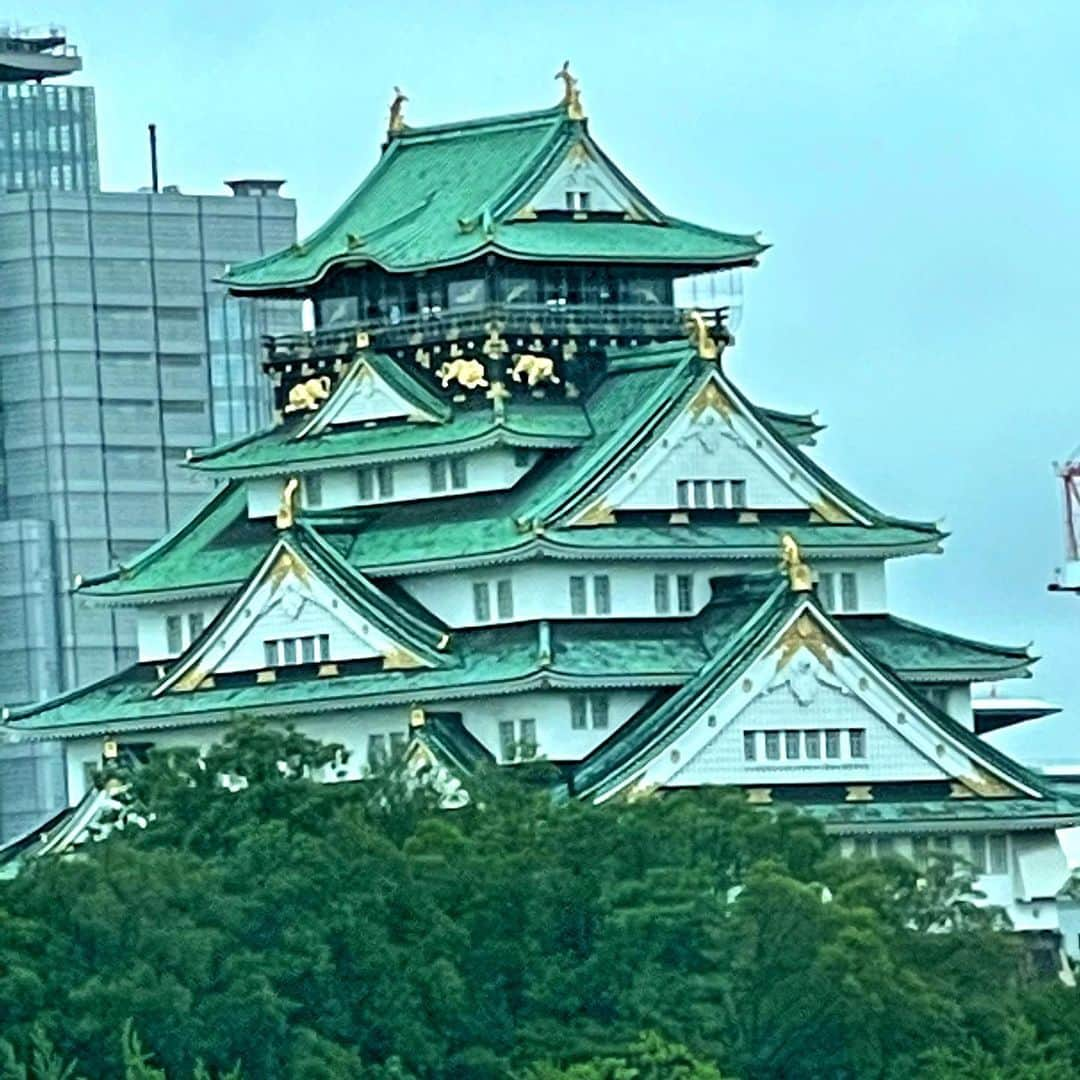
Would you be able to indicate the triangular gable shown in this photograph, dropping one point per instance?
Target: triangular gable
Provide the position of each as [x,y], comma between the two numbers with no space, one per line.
[441,754]
[710,436]
[805,676]
[584,168]
[376,388]
[296,594]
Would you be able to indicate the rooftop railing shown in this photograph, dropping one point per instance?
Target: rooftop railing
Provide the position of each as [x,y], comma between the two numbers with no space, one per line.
[598,324]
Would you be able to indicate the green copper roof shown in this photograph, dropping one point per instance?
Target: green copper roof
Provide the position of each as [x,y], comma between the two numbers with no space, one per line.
[447,194]
[910,650]
[748,619]
[277,450]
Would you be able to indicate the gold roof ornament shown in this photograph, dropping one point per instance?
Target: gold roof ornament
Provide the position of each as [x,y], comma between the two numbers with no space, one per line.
[286,514]
[571,99]
[397,112]
[800,577]
[700,333]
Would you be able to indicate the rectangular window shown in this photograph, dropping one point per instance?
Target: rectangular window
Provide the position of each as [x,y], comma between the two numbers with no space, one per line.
[832,744]
[579,712]
[527,742]
[571,200]
[849,592]
[998,854]
[886,846]
[376,751]
[504,598]
[270,654]
[397,744]
[437,475]
[662,594]
[682,494]
[174,631]
[324,648]
[813,744]
[749,745]
[701,493]
[577,595]
[791,745]
[522,457]
[195,625]
[459,476]
[738,494]
[864,847]
[598,704]
[772,745]
[942,843]
[507,740]
[602,594]
[313,490]
[719,493]
[827,592]
[384,474]
[857,742]
[288,651]
[481,599]
[684,587]
[583,200]
[365,485]
[307,650]
[920,851]
[977,853]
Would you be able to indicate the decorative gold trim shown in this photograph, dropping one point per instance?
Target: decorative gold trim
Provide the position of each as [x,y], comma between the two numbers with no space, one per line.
[987,786]
[710,396]
[599,513]
[678,517]
[285,564]
[110,749]
[327,670]
[859,793]
[957,790]
[748,517]
[286,514]
[759,796]
[267,675]
[806,633]
[571,99]
[396,658]
[701,337]
[417,717]
[306,396]
[800,578]
[190,680]
[498,396]
[397,112]
[827,511]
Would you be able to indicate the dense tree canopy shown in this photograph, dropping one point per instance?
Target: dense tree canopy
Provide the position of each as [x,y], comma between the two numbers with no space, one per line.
[268,925]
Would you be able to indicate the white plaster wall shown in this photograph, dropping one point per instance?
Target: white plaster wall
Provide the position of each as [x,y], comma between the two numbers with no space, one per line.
[151,622]
[487,470]
[541,588]
[888,756]
[580,174]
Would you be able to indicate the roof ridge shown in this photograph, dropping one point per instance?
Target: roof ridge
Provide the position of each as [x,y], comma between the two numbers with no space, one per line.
[419,132]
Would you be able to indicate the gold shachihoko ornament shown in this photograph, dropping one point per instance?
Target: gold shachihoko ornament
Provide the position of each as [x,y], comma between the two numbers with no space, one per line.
[800,577]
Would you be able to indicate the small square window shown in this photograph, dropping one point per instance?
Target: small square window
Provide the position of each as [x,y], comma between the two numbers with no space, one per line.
[522,457]
[385,476]
[684,584]
[832,744]
[481,595]
[602,594]
[920,851]
[682,494]
[313,494]
[398,741]
[598,704]
[812,743]
[749,746]
[849,592]
[999,854]
[504,598]
[792,745]
[376,751]
[507,740]
[772,745]
[857,742]
[459,475]
[437,475]
[571,200]
[583,200]
[738,494]
[174,633]
[527,743]
[577,595]
[662,594]
[579,712]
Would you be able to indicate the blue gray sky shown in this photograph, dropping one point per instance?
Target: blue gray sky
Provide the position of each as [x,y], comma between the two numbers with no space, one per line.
[916,166]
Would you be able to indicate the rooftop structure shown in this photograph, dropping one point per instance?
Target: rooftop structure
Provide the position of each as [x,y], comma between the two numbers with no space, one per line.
[30,54]
[514,505]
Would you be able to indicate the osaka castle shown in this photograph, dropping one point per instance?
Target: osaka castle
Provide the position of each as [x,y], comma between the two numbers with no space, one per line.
[515,506]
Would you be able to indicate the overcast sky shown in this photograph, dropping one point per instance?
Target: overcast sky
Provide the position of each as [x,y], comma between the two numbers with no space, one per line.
[916,165]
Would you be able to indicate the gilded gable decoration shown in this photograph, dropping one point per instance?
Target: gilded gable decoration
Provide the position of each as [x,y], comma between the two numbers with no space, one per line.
[397,112]
[571,99]
[800,577]
[466,372]
[532,369]
[286,514]
[306,396]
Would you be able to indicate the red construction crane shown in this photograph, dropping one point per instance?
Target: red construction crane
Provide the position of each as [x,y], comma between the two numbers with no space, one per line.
[1067,578]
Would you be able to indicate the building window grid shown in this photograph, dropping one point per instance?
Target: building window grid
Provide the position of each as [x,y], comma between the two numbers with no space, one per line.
[798,744]
[517,739]
[710,494]
[988,853]
[580,592]
[291,651]
[589,710]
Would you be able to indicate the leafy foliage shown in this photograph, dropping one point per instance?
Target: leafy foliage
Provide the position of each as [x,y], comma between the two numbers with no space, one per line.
[275,926]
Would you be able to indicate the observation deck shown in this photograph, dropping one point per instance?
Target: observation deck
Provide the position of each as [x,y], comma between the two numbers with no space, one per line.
[32,55]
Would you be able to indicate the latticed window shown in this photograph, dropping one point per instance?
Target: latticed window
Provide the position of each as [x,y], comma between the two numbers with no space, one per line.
[662,594]
[481,601]
[307,649]
[685,588]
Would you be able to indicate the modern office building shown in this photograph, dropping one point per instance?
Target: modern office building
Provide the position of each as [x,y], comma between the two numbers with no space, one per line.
[48,133]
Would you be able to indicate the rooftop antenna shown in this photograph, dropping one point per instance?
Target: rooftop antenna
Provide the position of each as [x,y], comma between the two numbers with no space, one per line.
[153,158]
